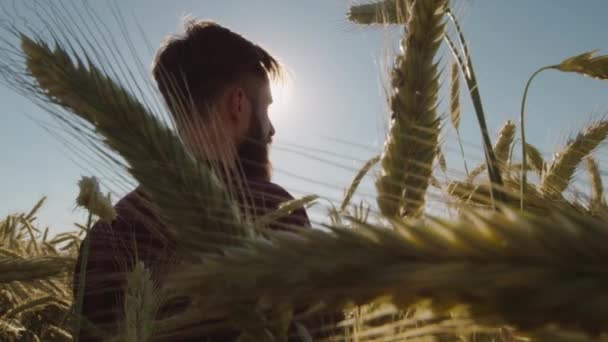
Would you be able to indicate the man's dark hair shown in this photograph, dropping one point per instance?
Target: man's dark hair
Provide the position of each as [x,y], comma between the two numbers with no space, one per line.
[202,60]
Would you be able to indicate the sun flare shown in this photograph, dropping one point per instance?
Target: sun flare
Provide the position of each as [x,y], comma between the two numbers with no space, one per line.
[281,94]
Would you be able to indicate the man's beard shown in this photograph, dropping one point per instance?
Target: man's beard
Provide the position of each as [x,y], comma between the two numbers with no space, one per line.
[253,153]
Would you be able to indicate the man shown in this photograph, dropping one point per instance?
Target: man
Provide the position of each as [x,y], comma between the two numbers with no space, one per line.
[216,85]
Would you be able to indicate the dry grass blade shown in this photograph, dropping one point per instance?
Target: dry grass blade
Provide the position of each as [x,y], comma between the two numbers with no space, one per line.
[535,158]
[14,269]
[357,180]
[560,172]
[381,12]
[507,267]
[159,162]
[30,215]
[411,145]
[597,189]
[586,64]
[32,303]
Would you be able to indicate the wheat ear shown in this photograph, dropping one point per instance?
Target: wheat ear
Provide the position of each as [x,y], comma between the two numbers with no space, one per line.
[380,12]
[158,161]
[508,267]
[285,209]
[536,159]
[559,174]
[501,150]
[411,145]
[29,269]
[586,64]
[596,201]
[357,180]
[141,305]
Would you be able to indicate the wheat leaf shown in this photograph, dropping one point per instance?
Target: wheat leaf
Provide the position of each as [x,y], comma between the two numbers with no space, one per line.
[455,96]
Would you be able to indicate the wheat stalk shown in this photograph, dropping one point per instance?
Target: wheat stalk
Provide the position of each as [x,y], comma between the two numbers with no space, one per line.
[455,108]
[158,161]
[560,172]
[586,64]
[508,268]
[411,145]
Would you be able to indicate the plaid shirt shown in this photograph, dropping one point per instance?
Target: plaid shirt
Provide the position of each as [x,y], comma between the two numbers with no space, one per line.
[114,247]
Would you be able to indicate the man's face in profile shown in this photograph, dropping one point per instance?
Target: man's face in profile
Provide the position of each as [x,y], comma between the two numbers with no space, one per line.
[253,151]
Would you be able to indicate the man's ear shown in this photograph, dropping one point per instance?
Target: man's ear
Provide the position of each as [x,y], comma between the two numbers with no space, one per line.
[239,110]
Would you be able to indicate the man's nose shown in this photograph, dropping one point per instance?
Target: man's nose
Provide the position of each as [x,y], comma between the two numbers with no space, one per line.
[272,131]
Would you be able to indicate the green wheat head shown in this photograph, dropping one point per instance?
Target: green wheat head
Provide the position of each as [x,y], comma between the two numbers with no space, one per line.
[411,145]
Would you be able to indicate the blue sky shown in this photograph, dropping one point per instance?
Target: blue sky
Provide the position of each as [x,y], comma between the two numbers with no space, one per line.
[336,92]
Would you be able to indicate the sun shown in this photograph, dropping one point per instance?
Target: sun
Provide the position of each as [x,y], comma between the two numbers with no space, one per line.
[281,94]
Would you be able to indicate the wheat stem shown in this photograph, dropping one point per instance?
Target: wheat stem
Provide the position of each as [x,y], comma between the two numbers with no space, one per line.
[523,134]
[82,278]
[471,81]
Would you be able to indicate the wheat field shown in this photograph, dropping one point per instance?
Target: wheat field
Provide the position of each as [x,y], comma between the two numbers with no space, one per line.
[520,257]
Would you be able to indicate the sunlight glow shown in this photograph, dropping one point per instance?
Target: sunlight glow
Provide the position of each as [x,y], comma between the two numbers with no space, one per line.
[281,94]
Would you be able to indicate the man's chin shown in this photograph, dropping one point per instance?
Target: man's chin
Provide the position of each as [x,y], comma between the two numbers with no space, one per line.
[254,160]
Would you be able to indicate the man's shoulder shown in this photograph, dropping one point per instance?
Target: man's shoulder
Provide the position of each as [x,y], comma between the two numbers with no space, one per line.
[270,196]
[265,187]
[131,210]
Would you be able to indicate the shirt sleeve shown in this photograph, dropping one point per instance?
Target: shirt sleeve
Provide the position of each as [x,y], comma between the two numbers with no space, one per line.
[112,250]
[102,281]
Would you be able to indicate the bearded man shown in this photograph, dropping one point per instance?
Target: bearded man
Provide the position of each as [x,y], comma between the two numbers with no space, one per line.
[216,85]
